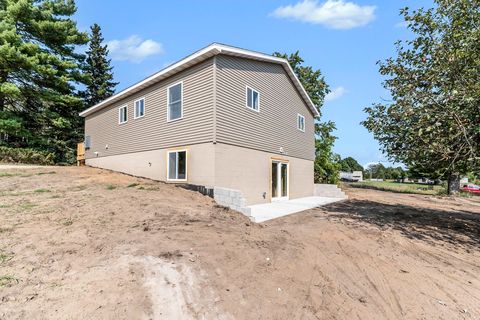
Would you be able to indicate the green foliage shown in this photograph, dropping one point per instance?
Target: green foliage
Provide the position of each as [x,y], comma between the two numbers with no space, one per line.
[39,72]
[99,73]
[433,121]
[326,163]
[26,155]
[349,165]
[379,171]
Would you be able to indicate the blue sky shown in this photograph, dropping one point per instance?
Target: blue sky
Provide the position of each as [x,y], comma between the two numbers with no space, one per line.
[343,39]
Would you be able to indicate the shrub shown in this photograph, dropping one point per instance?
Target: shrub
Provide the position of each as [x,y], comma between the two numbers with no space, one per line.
[26,155]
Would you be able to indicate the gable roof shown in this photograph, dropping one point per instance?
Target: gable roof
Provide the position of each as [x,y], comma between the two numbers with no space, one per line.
[199,56]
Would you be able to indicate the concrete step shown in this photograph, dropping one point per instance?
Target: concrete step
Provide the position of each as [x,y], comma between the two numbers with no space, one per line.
[328,190]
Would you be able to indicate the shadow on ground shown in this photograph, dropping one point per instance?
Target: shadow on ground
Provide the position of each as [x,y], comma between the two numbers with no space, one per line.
[455,227]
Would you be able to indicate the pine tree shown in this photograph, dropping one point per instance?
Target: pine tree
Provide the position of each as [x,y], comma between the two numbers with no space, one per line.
[98,70]
[39,73]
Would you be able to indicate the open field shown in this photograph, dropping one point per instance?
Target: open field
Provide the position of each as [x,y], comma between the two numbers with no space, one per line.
[83,243]
[399,187]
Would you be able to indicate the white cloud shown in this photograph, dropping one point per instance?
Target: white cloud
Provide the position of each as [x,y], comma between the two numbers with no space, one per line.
[133,49]
[335,93]
[335,14]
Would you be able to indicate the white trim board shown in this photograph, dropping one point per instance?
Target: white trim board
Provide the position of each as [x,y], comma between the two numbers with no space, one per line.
[201,55]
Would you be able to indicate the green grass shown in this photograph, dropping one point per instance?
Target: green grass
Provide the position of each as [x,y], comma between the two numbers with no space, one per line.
[15,174]
[41,190]
[399,187]
[4,257]
[111,187]
[48,172]
[28,205]
[5,230]
[7,281]
[67,222]
[133,185]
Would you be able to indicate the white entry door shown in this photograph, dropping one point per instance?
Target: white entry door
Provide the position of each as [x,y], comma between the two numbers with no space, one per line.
[279,180]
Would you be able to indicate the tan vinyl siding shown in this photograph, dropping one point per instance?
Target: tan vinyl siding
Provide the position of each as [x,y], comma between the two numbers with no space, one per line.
[153,131]
[275,125]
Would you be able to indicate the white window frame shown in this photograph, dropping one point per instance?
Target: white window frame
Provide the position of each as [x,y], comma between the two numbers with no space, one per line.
[126,114]
[186,165]
[298,122]
[181,101]
[246,98]
[135,116]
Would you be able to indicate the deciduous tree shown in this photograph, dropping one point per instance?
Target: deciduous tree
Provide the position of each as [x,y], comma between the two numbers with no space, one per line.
[433,120]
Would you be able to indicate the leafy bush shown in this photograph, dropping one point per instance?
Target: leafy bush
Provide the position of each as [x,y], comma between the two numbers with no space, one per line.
[26,155]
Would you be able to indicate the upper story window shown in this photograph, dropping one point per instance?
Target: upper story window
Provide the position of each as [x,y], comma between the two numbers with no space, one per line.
[122,114]
[300,122]
[175,102]
[139,108]
[253,99]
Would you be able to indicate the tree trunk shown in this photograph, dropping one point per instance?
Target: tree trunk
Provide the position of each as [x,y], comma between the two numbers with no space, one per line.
[453,183]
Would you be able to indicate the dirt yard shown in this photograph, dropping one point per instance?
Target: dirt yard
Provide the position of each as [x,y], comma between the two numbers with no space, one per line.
[82,243]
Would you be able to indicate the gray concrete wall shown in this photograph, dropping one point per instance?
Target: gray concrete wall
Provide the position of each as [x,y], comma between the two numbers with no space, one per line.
[153,164]
[249,171]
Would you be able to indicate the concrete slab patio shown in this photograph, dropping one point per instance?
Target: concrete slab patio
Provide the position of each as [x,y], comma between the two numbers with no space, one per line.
[269,211]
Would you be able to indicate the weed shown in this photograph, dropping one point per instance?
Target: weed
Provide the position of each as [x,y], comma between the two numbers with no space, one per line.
[4,206]
[67,222]
[4,257]
[5,230]
[111,187]
[132,185]
[55,196]
[7,281]
[48,172]
[27,205]
[41,190]
[8,174]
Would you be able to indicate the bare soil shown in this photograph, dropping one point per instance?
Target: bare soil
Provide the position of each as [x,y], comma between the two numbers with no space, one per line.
[84,243]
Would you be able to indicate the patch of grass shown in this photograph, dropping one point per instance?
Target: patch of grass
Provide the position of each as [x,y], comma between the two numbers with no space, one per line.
[399,187]
[5,206]
[133,185]
[55,196]
[41,190]
[111,187]
[28,205]
[14,174]
[5,230]
[67,222]
[48,172]
[8,174]
[7,281]
[4,257]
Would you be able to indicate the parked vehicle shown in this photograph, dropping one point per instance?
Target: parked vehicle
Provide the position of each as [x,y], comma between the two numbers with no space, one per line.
[471,188]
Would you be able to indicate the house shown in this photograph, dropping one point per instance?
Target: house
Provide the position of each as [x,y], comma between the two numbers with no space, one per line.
[355,176]
[233,122]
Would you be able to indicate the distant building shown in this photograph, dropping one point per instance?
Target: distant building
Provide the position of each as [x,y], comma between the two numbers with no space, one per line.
[355,176]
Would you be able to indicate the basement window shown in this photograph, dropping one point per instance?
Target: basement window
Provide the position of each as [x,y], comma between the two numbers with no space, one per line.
[177,165]
[139,108]
[122,114]
[253,99]
[300,122]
